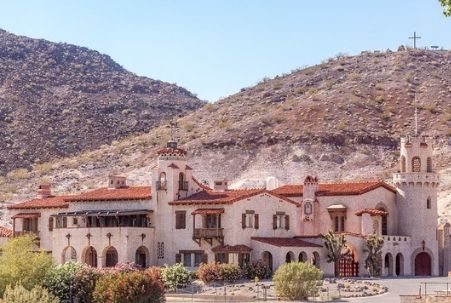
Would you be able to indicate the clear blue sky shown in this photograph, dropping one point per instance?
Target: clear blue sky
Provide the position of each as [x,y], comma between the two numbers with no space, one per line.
[214,48]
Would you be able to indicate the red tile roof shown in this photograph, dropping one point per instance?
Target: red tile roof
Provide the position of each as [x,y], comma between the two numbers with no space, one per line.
[26,215]
[210,197]
[5,232]
[208,211]
[334,189]
[201,185]
[231,248]
[171,151]
[50,202]
[285,242]
[109,194]
[372,212]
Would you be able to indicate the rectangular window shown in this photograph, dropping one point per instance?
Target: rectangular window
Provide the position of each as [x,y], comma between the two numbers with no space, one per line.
[211,222]
[180,219]
[222,258]
[187,259]
[280,221]
[339,223]
[74,220]
[342,223]
[198,259]
[248,219]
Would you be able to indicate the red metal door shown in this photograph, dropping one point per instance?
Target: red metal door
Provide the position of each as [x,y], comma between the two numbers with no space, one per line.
[423,264]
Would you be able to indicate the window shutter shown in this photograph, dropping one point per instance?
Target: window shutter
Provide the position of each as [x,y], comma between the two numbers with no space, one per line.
[51,224]
[287,222]
[256,221]
[243,220]
[274,221]
[205,258]
[64,222]
[178,258]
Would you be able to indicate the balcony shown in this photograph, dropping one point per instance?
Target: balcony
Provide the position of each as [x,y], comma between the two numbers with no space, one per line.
[162,185]
[183,185]
[208,234]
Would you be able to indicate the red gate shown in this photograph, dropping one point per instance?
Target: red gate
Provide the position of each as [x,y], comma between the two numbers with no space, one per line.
[349,267]
[423,264]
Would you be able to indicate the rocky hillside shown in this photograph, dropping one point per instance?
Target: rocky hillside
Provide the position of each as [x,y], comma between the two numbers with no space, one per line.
[59,99]
[338,120]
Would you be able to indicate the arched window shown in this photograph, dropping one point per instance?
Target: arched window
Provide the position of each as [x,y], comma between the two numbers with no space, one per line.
[416,164]
[428,203]
[429,165]
[183,185]
[403,164]
[111,257]
[69,255]
[91,256]
[161,183]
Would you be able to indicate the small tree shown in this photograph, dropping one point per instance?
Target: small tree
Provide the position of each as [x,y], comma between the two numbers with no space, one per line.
[446,7]
[297,280]
[175,276]
[337,249]
[21,263]
[373,262]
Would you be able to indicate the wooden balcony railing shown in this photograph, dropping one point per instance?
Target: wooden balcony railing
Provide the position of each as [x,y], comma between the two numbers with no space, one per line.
[208,233]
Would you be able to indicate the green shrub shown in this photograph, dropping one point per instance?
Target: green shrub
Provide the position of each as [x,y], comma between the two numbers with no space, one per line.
[60,279]
[20,263]
[125,287]
[229,272]
[297,280]
[257,269]
[20,294]
[175,276]
[208,272]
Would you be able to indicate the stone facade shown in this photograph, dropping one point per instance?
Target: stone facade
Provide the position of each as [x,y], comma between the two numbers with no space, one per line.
[179,219]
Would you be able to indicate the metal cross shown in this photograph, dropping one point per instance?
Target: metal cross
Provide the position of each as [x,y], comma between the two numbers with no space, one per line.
[415,37]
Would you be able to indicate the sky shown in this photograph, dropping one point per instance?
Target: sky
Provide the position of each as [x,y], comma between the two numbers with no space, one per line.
[214,48]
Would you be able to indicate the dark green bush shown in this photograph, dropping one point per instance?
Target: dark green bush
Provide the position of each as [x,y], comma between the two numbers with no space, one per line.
[257,269]
[229,272]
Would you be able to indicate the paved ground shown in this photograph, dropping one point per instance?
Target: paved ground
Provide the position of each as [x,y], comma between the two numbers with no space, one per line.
[395,286]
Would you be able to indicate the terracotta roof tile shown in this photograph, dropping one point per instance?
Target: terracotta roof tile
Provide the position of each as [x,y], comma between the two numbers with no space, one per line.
[285,242]
[26,215]
[50,202]
[210,197]
[333,189]
[201,185]
[208,211]
[231,248]
[109,194]
[372,212]
[5,232]
[171,151]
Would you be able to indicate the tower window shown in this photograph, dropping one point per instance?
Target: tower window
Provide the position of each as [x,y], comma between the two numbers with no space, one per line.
[403,164]
[416,164]
[428,203]
[429,165]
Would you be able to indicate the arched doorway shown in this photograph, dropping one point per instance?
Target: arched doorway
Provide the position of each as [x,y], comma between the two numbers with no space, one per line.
[69,255]
[388,264]
[399,267]
[111,257]
[423,264]
[267,259]
[91,256]
[303,256]
[349,267]
[142,256]
[289,257]
[315,259]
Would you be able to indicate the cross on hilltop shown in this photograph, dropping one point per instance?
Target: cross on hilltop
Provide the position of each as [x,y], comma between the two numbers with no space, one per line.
[415,38]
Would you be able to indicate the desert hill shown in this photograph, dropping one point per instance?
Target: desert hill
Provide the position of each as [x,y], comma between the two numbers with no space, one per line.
[59,99]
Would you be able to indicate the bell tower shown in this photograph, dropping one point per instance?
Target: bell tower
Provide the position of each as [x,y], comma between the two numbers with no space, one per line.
[416,184]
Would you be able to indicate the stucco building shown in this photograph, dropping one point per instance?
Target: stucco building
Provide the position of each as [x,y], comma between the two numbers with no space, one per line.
[179,219]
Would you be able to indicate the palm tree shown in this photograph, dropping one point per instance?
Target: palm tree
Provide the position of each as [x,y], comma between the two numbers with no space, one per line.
[337,249]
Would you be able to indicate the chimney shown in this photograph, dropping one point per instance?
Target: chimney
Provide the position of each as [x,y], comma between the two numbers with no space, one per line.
[272,183]
[220,185]
[44,191]
[115,182]
[310,187]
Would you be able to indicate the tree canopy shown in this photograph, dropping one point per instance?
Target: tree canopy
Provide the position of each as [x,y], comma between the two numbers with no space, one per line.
[446,7]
